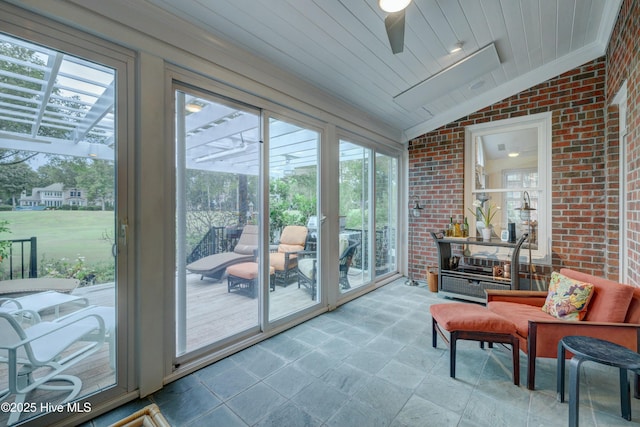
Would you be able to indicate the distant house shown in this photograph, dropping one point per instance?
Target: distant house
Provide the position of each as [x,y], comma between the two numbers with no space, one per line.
[55,195]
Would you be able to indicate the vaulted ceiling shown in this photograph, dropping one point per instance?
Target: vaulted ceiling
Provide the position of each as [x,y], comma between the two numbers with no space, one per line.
[341,47]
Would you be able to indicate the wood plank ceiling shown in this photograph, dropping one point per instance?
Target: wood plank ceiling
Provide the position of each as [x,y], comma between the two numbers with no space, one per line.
[341,47]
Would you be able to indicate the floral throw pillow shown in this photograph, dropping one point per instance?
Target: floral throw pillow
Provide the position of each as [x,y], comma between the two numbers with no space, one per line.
[567,298]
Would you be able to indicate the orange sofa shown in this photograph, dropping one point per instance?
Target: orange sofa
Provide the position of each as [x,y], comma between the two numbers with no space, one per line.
[613,314]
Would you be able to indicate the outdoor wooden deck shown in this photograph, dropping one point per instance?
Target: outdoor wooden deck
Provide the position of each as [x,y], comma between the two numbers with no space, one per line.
[212,314]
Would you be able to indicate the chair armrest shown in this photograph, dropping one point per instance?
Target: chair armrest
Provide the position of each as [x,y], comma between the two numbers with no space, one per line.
[24,314]
[6,300]
[547,333]
[290,257]
[307,254]
[535,298]
[583,324]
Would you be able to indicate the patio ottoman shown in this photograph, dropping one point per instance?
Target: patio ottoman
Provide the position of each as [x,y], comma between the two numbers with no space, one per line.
[466,321]
[242,278]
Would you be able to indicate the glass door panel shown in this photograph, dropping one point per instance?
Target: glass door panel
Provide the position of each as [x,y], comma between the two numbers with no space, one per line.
[217,167]
[57,223]
[386,213]
[355,165]
[293,221]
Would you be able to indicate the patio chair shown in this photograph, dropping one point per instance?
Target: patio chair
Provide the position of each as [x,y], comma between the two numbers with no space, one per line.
[284,259]
[214,266]
[307,266]
[345,263]
[39,354]
[308,271]
[108,315]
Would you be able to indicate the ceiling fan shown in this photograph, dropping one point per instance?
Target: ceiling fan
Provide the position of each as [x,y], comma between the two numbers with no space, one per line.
[394,22]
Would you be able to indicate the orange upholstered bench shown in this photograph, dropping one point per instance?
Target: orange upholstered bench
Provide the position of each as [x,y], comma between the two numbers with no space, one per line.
[473,322]
[242,277]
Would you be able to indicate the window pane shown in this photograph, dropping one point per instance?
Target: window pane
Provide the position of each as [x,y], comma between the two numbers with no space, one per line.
[293,224]
[57,181]
[386,213]
[218,158]
[500,151]
[355,164]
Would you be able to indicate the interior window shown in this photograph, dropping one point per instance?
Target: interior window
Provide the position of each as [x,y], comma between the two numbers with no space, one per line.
[507,165]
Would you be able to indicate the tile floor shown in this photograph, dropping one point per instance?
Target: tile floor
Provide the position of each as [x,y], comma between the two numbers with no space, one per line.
[371,363]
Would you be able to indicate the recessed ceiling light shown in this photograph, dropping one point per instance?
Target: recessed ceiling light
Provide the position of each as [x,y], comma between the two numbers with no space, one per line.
[514,154]
[393,5]
[457,48]
[476,85]
[193,107]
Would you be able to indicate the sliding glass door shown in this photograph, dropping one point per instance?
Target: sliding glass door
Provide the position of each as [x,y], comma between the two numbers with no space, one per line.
[63,228]
[294,221]
[368,215]
[386,214]
[355,194]
[248,221]
[218,155]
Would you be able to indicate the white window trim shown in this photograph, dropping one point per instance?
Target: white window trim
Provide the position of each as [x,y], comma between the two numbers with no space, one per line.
[621,100]
[543,122]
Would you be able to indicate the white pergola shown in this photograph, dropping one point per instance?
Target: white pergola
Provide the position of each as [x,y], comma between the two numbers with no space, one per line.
[49,93]
[55,103]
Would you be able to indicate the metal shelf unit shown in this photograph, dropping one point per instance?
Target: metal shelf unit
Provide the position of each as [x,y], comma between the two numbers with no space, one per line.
[469,282]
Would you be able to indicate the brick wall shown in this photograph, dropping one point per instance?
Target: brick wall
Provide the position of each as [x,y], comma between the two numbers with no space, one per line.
[623,65]
[579,166]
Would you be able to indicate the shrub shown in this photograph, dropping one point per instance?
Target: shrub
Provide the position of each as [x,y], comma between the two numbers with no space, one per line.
[100,272]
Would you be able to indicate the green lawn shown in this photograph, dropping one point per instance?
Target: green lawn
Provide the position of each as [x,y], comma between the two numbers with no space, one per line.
[64,234]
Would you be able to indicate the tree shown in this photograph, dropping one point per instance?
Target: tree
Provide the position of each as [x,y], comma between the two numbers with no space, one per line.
[15,178]
[63,169]
[97,181]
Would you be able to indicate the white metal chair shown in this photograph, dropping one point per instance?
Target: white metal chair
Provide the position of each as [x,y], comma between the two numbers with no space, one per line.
[108,315]
[39,354]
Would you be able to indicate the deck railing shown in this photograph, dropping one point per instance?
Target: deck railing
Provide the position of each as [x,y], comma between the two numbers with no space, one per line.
[23,261]
[217,239]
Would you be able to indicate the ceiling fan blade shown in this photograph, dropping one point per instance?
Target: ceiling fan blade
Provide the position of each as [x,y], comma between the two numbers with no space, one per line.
[394,23]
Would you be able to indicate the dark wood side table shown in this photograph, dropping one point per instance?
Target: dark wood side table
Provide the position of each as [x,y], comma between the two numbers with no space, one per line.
[595,350]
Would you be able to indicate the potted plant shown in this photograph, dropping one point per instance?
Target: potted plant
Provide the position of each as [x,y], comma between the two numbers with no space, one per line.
[485,217]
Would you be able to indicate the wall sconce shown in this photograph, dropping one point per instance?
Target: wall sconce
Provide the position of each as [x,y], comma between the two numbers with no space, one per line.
[525,209]
[416,210]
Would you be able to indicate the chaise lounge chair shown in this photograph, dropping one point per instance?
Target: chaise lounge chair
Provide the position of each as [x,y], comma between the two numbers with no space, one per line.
[215,265]
[41,301]
[23,286]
